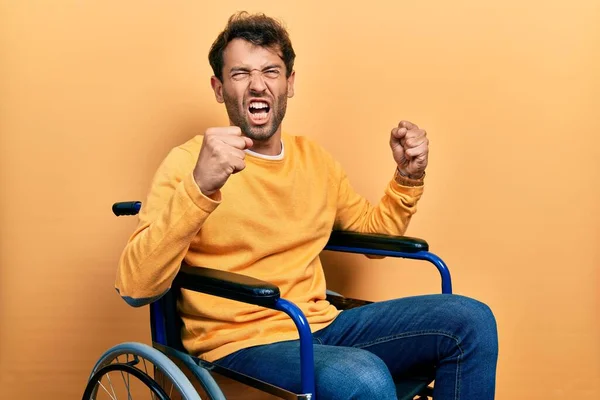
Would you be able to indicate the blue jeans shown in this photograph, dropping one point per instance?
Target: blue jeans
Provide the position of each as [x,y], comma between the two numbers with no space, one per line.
[452,338]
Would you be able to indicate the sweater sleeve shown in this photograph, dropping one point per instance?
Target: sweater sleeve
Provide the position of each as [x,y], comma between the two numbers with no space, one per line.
[390,216]
[170,218]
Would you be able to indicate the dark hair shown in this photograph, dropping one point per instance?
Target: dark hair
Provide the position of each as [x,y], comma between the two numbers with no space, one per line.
[257,29]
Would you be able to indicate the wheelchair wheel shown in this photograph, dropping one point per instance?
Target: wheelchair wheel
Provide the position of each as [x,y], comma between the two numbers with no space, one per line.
[133,371]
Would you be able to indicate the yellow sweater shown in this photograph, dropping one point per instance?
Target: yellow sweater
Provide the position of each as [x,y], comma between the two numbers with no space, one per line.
[271,223]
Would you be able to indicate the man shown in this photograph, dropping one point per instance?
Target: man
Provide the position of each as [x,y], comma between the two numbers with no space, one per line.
[248,199]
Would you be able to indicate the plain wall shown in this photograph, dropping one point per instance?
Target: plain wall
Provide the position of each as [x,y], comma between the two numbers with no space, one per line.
[94,94]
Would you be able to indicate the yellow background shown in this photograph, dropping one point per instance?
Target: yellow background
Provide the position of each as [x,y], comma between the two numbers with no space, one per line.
[93,95]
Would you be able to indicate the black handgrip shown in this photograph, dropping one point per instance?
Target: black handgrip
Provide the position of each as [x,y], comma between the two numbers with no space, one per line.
[126,208]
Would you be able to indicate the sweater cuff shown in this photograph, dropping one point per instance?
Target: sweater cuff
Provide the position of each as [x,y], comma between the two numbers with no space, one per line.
[203,202]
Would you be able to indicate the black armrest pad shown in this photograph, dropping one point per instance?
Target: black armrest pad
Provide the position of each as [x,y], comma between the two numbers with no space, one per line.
[126,208]
[227,284]
[377,242]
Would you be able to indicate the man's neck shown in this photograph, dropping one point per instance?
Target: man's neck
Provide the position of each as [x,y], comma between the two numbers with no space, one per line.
[270,147]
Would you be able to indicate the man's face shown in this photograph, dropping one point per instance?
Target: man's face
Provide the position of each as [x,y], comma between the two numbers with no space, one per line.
[254,88]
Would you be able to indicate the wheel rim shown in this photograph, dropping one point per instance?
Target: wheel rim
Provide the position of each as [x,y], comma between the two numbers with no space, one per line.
[130,377]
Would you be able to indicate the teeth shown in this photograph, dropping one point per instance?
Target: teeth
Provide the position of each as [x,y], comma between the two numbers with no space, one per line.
[259,116]
[258,104]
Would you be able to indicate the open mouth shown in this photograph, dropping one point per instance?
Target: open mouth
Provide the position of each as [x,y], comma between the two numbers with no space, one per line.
[259,112]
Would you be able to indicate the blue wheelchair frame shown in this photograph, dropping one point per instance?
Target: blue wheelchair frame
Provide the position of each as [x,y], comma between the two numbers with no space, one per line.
[378,245]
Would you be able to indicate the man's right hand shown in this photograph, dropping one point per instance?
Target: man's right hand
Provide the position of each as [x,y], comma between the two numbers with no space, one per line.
[221,155]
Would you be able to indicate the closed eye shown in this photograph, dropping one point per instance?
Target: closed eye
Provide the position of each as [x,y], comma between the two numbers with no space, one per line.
[240,75]
[272,73]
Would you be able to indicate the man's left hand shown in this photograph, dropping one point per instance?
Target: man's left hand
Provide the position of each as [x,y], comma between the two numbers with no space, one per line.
[410,147]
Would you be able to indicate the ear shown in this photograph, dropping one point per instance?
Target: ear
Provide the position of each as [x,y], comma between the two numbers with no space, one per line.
[217,87]
[290,84]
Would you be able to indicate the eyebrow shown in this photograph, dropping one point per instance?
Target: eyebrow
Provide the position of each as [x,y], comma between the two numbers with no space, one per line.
[246,69]
[272,66]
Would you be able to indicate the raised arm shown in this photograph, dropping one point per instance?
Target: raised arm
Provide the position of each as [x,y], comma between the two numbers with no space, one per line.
[184,192]
[410,149]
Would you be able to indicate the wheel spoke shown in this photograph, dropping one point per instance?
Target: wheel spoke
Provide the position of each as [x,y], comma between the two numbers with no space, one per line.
[161,375]
[102,386]
[128,383]
[123,375]
[146,371]
[111,385]
[125,380]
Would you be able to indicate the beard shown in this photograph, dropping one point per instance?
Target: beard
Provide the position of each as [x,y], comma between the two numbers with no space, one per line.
[238,115]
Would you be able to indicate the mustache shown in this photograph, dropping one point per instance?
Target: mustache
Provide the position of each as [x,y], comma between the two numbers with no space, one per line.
[257,97]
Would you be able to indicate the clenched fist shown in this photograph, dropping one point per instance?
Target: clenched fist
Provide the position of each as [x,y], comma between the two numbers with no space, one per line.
[410,147]
[222,154]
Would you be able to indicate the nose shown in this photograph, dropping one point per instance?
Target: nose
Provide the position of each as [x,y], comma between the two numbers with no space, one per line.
[257,82]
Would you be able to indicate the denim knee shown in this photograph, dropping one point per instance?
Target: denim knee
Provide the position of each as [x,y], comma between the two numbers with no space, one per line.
[361,375]
[475,323]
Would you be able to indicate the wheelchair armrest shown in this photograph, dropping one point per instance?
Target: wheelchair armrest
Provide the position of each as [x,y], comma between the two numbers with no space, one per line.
[126,208]
[376,242]
[228,285]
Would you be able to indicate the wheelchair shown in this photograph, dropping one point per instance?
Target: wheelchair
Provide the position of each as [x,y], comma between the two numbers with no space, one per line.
[166,371]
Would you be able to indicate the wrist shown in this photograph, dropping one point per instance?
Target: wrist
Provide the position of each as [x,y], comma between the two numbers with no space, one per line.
[417,176]
[211,194]
[408,180]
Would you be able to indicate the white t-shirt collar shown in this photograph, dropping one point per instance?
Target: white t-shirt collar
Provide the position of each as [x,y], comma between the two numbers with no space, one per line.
[267,157]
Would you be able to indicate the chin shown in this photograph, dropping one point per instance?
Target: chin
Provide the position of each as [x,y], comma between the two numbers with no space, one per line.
[261,134]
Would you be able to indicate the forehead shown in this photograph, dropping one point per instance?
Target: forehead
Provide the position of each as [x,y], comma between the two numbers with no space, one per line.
[240,52]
